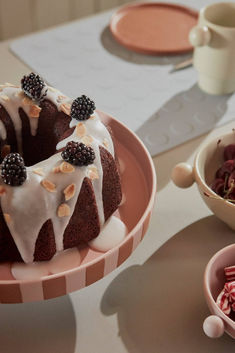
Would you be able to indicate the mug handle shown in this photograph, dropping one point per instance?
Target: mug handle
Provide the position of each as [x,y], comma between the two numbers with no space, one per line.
[199,36]
[182,175]
[213,326]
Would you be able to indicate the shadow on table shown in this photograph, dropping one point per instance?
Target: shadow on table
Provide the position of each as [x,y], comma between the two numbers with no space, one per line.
[160,305]
[116,49]
[186,115]
[47,327]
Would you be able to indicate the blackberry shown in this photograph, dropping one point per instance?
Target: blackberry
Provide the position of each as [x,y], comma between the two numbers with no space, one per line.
[34,87]
[77,153]
[13,170]
[82,108]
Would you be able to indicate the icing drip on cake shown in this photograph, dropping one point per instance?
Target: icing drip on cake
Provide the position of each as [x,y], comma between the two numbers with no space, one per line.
[39,198]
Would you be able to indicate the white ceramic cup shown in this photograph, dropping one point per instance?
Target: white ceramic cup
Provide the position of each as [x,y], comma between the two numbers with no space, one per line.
[214,48]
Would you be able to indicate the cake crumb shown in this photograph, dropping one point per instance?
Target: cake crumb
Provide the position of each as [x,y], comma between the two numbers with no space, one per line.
[69,191]
[63,210]
[48,185]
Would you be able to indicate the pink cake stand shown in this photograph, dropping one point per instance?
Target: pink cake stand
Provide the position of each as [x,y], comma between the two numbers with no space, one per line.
[139,189]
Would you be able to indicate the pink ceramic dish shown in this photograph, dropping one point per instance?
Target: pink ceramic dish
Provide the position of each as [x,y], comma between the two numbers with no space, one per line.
[154,28]
[207,161]
[214,279]
[139,189]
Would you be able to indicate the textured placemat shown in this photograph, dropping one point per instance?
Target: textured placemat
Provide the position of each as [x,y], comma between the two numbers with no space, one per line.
[164,109]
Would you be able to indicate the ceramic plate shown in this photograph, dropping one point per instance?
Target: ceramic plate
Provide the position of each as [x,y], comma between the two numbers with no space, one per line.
[154,28]
[139,189]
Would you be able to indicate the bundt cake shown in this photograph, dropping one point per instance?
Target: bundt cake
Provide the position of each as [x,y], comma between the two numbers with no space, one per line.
[59,178]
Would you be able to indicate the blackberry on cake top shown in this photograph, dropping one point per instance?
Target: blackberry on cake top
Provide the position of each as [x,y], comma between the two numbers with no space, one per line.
[34,86]
[82,108]
[77,153]
[13,170]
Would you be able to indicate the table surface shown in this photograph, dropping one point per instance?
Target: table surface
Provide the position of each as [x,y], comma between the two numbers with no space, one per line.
[152,303]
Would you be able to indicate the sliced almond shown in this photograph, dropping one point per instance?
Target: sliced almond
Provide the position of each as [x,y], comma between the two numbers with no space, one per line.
[105,143]
[66,108]
[34,111]
[5,98]
[61,98]
[2,190]
[7,217]
[56,169]
[63,210]
[27,101]
[92,117]
[80,130]
[93,173]
[38,171]
[66,167]
[5,150]
[69,191]
[87,140]
[48,185]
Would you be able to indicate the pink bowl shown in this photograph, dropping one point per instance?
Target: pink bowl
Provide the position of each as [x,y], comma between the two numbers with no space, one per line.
[139,189]
[214,280]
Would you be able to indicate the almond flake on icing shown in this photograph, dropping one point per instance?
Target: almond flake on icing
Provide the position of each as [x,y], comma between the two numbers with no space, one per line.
[38,171]
[61,98]
[5,98]
[56,169]
[69,192]
[87,140]
[66,108]
[80,130]
[7,217]
[27,101]
[2,190]
[20,94]
[105,143]
[66,167]
[92,117]
[0,89]
[48,185]
[93,173]
[34,111]
[5,150]
[63,210]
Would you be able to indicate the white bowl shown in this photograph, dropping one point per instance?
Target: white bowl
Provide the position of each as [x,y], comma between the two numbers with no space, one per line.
[206,163]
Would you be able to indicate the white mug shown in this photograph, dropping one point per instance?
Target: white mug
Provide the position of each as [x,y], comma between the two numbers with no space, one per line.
[214,53]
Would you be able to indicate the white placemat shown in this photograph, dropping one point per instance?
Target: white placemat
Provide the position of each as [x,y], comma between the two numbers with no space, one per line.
[164,109]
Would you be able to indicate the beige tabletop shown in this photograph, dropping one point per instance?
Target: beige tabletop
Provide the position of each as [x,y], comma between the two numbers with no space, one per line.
[154,302]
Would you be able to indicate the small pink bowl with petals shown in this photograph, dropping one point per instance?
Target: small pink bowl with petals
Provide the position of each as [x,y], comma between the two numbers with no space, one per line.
[214,279]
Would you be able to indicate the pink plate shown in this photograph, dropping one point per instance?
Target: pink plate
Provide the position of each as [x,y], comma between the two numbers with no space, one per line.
[139,189]
[154,28]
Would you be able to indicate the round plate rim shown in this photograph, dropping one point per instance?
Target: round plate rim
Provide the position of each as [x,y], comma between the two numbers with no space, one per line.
[143,50]
[139,223]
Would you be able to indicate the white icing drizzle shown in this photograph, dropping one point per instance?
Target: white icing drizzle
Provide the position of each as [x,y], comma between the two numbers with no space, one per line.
[30,205]
[113,232]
